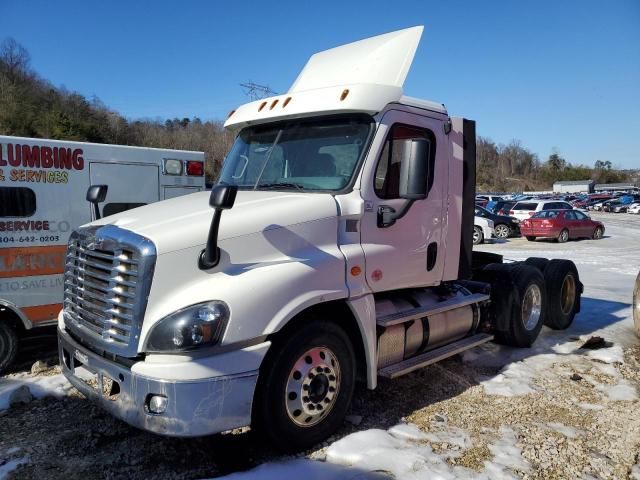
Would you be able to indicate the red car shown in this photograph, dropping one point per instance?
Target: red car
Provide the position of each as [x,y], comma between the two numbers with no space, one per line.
[562,225]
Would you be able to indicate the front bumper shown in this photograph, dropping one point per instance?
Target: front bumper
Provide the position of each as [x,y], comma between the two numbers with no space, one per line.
[194,408]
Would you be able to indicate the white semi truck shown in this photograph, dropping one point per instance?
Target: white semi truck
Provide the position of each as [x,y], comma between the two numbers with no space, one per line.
[339,251]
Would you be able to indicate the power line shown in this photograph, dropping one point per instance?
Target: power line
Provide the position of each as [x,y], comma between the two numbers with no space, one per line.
[255,91]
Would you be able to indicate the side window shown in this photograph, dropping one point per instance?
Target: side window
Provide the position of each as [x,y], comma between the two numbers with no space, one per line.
[549,206]
[17,202]
[569,215]
[565,205]
[580,215]
[113,208]
[387,179]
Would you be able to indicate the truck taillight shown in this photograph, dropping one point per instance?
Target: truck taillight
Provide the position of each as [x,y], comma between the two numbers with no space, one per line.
[195,168]
[531,213]
[511,212]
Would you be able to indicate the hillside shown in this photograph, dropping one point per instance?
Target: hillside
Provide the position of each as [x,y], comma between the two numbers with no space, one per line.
[31,106]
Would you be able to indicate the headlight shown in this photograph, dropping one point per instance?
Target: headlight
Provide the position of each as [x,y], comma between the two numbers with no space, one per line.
[193,327]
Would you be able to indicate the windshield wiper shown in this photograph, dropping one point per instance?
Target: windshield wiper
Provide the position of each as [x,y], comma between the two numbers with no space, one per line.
[276,185]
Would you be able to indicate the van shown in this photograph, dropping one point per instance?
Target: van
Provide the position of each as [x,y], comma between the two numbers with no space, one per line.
[43,184]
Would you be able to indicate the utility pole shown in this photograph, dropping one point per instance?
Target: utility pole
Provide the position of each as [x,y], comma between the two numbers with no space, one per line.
[255,91]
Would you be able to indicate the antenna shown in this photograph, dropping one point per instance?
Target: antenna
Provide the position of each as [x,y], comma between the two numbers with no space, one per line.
[255,91]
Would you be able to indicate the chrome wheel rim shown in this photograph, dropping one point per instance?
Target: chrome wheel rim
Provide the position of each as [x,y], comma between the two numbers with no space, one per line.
[502,231]
[568,294]
[531,306]
[564,236]
[476,235]
[598,233]
[312,387]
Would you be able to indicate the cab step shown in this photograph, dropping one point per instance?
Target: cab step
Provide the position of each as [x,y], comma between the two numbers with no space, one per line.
[433,356]
[420,312]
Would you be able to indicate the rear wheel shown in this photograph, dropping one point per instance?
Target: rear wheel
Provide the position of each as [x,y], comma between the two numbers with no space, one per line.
[305,386]
[478,237]
[563,236]
[531,238]
[502,231]
[597,233]
[518,308]
[8,345]
[537,262]
[564,289]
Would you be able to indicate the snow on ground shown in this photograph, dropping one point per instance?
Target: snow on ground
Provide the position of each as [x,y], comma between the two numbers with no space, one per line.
[40,386]
[402,452]
[10,466]
[607,268]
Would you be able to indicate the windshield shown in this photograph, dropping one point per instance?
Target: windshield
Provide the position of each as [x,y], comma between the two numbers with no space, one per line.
[297,155]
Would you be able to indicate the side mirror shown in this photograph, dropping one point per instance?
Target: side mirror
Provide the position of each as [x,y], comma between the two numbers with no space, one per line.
[96,194]
[222,198]
[414,170]
[414,176]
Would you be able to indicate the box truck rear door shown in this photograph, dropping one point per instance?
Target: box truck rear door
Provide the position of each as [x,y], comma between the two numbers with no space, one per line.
[130,186]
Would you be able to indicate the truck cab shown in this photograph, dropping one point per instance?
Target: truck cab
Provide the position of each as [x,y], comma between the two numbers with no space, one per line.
[339,250]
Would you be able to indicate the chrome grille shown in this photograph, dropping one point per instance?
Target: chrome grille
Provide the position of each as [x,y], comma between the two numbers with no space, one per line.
[107,278]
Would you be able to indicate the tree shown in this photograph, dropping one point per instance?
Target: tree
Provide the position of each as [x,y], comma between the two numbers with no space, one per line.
[15,58]
[603,165]
[556,162]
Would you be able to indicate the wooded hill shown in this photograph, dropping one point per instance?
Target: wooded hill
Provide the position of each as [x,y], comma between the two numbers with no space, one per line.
[31,106]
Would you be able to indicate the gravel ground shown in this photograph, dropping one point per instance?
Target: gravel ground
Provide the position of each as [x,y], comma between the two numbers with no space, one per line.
[567,424]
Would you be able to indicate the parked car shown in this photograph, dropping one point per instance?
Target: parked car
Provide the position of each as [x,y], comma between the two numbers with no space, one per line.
[562,225]
[634,208]
[482,230]
[503,225]
[620,208]
[524,210]
[503,207]
[611,205]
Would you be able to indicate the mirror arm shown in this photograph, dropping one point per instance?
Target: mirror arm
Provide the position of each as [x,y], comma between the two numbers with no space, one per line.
[96,211]
[210,256]
[387,216]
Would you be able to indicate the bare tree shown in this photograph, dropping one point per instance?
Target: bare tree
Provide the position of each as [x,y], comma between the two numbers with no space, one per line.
[15,57]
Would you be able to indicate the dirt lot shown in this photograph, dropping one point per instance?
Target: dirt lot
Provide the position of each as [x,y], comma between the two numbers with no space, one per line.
[553,411]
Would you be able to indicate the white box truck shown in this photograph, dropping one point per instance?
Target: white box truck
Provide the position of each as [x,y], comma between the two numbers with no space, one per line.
[43,184]
[339,250]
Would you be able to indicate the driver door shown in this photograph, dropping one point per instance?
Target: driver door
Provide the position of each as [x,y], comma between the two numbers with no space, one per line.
[408,253]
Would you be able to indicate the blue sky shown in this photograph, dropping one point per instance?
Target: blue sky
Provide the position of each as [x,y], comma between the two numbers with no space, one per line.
[553,74]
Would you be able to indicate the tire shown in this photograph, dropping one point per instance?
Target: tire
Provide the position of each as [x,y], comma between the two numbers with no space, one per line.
[478,237]
[597,233]
[537,262]
[526,316]
[502,231]
[316,357]
[563,293]
[563,236]
[531,238]
[636,305]
[8,345]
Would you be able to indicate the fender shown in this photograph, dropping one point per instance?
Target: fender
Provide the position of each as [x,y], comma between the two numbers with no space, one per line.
[26,323]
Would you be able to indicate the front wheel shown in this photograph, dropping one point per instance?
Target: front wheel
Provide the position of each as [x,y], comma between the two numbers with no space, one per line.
[478,237]
[597,233]
[502,231]
[8,345]
[305,386]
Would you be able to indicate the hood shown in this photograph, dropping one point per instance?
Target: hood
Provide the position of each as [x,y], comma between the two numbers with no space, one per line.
[184,222]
